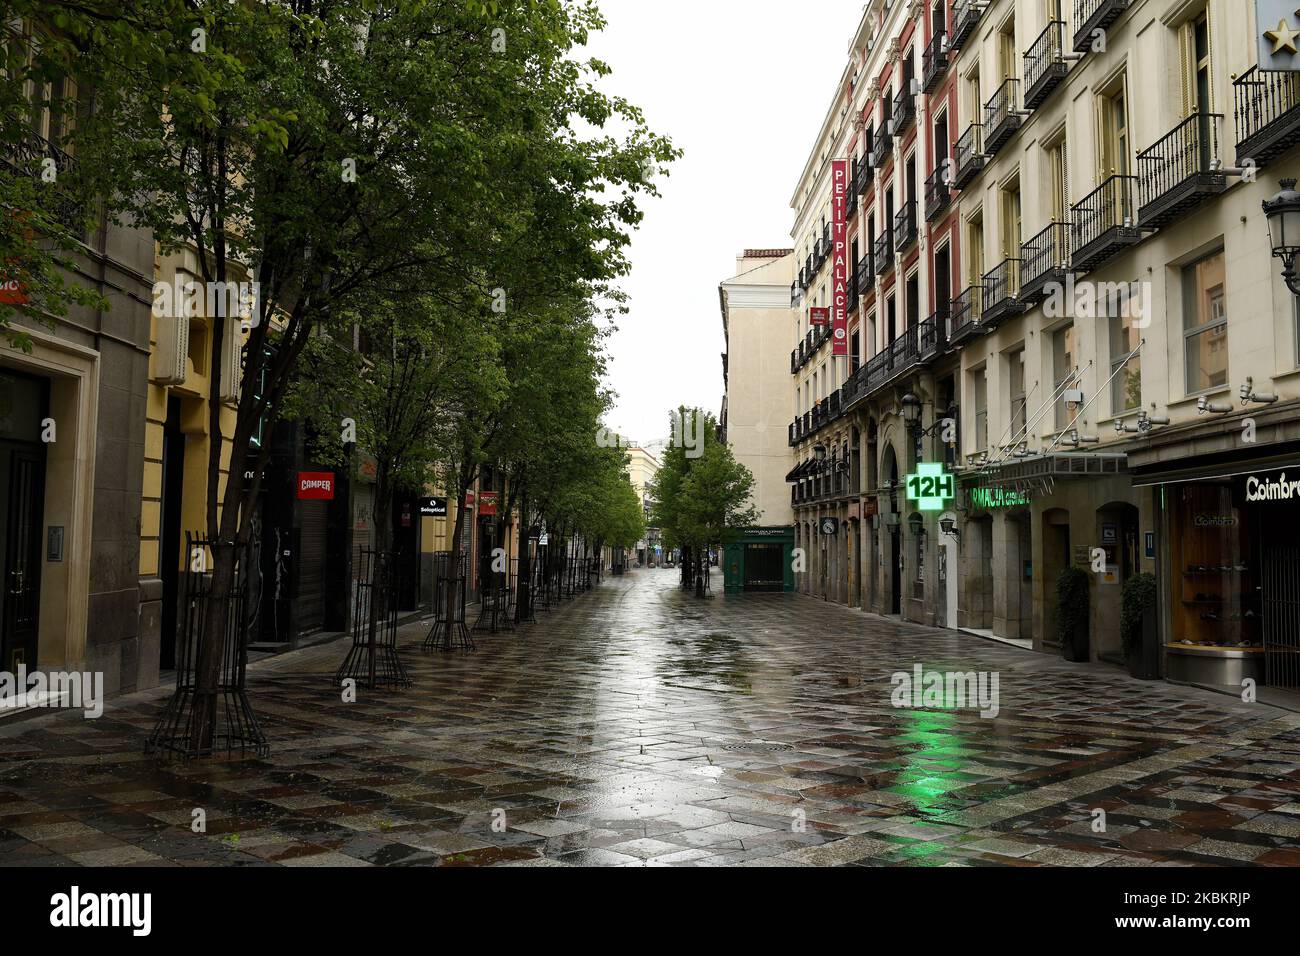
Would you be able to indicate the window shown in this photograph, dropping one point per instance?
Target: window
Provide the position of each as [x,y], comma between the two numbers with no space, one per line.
[891,317]
[980,396]
[1114,140]
[1058,183]
[854,351]
[1007,55]
[1063,372]
[1197,83]
[1016,393]
[1011,225]
[1205,323]
[1126,377]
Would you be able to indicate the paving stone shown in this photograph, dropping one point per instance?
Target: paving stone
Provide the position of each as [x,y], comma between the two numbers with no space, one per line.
[635,725]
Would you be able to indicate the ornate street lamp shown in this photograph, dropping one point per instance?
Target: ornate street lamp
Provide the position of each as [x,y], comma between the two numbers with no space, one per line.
[948,526]
[911,410]
[1283,213]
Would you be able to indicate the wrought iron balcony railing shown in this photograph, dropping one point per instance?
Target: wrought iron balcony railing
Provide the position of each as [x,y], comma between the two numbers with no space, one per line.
[969,156]
[934,62]
[1103,223]
[1044,259]
[1002,292]
[904,111]
[905,226]
[1001,116]
[937,193]
[851,290]
[880,150]
[1180,171]
[1091,16]
[965,18]
[966,315]
[1044,66]
[1267,108]
[861,176]
[866,275]
[883,253]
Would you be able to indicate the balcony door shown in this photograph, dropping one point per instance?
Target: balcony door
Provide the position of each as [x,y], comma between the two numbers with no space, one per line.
[1114,133]
[1198,81]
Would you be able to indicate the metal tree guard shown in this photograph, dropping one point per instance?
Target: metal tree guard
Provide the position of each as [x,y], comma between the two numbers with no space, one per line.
[373,659]
[234,726]
[448,634]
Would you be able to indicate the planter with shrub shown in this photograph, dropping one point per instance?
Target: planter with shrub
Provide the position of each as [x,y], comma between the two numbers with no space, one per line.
[1072,610]
[1138,627]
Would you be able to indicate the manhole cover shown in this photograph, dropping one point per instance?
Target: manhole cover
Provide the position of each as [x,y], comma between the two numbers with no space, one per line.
[759,748]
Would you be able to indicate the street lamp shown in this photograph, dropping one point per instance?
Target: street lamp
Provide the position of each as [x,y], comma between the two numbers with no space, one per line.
[911,410]
[819,452]
[948,526]
[1283,213]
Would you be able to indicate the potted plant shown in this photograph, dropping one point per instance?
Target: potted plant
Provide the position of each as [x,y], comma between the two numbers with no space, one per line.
[1138,626]
[1072,608]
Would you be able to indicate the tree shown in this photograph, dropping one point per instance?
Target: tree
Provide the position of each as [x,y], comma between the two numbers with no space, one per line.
[701,494]
[336,152]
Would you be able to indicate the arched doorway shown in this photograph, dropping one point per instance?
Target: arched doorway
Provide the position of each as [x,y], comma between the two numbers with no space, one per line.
[893,570]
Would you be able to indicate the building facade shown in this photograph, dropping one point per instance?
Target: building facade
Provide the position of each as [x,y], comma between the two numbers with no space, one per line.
[1065,318]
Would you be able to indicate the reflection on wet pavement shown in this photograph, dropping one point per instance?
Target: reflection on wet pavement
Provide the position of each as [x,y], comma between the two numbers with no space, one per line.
[637,725]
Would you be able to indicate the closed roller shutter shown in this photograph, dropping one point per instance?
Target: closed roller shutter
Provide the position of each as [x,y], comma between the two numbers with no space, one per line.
[311,565]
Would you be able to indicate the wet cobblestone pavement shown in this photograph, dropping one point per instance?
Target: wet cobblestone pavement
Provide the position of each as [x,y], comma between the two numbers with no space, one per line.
[636,725]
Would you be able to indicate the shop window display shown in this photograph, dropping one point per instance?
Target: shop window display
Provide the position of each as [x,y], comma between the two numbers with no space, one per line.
[1217,564]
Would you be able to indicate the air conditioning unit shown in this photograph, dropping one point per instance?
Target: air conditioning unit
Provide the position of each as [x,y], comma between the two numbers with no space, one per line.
[231,354]
[173,349]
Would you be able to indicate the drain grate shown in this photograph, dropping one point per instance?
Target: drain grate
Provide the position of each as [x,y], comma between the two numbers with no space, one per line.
[759,748]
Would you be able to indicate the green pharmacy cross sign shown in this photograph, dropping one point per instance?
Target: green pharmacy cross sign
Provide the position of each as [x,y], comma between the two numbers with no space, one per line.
[931,486]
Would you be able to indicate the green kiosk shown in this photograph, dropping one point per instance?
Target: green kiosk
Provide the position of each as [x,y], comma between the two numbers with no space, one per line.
[759,559]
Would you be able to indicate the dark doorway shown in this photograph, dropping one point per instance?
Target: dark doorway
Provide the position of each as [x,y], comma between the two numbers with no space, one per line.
[406,544]
[169,544]
[896,577]
[764,567]
[23,406]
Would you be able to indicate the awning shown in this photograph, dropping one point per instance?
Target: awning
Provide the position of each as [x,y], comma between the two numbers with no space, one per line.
[798,471]
[1210,472]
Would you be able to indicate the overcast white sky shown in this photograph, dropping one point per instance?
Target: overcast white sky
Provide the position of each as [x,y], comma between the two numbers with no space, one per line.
[741,86]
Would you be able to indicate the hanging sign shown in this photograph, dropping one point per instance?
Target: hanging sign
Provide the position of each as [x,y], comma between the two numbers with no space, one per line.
[1278,23]
[931,487]
[433,507]
[830,525]
[839,255]
[487,503]
[315,486]
[819,316]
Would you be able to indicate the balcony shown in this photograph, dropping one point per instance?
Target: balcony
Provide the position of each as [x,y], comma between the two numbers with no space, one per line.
[851,290]
[970,158]
[1044,260]
[918,344]
[864,274]
[1181,171]
[1103,224]
[904,108]
[1093,15]
[905,226]
[1268,114]
[965,18]
[1002,293]
[794,294]
[880,150]
[851,206]
[861,178]
[937,193]
[934,62]
[1001,117]
[964,321]
[883,252]
[1044,68]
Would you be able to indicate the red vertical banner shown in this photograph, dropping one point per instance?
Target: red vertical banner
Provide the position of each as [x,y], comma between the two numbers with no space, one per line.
[840,253]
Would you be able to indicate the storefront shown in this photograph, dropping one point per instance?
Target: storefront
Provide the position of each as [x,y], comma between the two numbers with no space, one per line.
[760,559]
[1232,573]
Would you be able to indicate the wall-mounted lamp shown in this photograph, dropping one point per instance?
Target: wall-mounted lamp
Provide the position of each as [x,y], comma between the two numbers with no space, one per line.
[1250,396]
[1205,407]
[949,527]
[1283,214]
